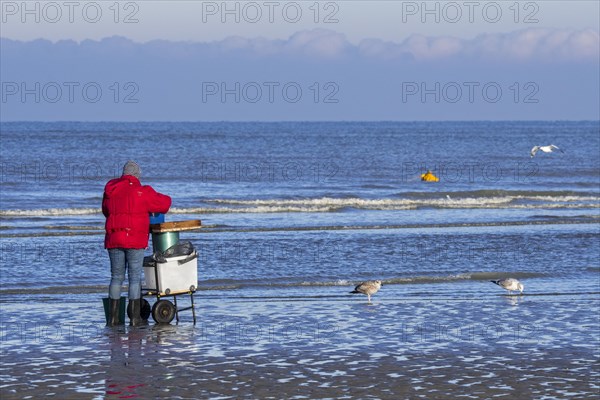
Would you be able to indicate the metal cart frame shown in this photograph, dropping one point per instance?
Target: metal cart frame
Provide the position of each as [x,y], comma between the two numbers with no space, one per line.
[163,311]
[157,308]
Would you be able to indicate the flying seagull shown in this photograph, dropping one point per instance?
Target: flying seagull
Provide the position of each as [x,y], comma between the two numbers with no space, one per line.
[544,149]
[368,288]
[510,284]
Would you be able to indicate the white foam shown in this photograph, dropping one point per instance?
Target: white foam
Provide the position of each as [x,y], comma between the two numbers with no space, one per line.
[332,204]
[49,212]
[328,204]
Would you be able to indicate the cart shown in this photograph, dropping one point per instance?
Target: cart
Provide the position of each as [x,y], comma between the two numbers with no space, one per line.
[171,277]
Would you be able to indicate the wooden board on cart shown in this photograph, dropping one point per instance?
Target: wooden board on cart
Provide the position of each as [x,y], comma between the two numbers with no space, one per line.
[176,226]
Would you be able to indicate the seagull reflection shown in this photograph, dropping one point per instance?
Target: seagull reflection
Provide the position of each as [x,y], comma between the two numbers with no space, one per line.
[513,300]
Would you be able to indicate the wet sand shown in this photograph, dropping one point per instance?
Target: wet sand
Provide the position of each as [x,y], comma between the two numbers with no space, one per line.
[498,347]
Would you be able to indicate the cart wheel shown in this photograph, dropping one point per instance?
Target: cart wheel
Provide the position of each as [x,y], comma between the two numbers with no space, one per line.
[163,312]
[146,310]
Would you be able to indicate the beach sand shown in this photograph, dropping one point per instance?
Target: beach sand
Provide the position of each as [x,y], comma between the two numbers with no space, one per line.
[313,348]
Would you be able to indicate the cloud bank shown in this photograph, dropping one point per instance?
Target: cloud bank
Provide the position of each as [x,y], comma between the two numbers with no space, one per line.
[524,45]
[321,44]
[312,75]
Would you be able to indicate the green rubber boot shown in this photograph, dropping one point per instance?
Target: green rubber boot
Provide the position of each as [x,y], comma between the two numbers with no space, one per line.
[114,313]
[134,310]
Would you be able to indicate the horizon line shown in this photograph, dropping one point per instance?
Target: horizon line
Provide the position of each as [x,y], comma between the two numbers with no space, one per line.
[298,121]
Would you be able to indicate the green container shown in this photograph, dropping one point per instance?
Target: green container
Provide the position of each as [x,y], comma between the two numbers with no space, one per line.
[162,241]
[122,304]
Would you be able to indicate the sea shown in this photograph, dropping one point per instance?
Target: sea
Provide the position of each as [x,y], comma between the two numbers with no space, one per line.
[294,215]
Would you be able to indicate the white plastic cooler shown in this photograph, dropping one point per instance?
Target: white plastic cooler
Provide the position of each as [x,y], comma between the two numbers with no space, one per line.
[176,275]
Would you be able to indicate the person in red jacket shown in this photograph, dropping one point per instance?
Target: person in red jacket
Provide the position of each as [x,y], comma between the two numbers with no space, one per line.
[127,206]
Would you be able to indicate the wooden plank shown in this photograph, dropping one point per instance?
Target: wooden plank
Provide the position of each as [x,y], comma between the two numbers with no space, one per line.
[176,226]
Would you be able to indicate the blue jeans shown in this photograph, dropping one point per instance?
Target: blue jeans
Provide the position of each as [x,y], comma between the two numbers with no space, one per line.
[120,260]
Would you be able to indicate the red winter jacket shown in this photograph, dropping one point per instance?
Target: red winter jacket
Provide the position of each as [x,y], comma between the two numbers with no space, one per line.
[126,206]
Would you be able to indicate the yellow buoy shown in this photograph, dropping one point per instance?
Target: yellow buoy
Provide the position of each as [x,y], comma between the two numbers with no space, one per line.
[429,177]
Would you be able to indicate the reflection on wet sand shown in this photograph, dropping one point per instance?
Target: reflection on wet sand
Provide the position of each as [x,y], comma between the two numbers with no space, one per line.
[126,361]
[514,300]
[389,349]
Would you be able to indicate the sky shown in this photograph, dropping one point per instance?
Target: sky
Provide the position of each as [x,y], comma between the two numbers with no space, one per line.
[300,60]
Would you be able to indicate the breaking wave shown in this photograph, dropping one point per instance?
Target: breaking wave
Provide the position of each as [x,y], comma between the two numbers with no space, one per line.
[483,199]
[49,212]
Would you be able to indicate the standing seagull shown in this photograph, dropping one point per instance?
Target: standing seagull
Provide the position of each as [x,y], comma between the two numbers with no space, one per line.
[545,149]
[368,288]
[510,284]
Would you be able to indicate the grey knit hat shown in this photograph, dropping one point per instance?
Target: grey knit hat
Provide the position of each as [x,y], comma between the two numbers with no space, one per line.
[131,168]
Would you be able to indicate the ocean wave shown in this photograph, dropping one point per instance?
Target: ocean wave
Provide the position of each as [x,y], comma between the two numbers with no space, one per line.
[49,212]
[439,200]
[476,200]
[327,204]
[224,228]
